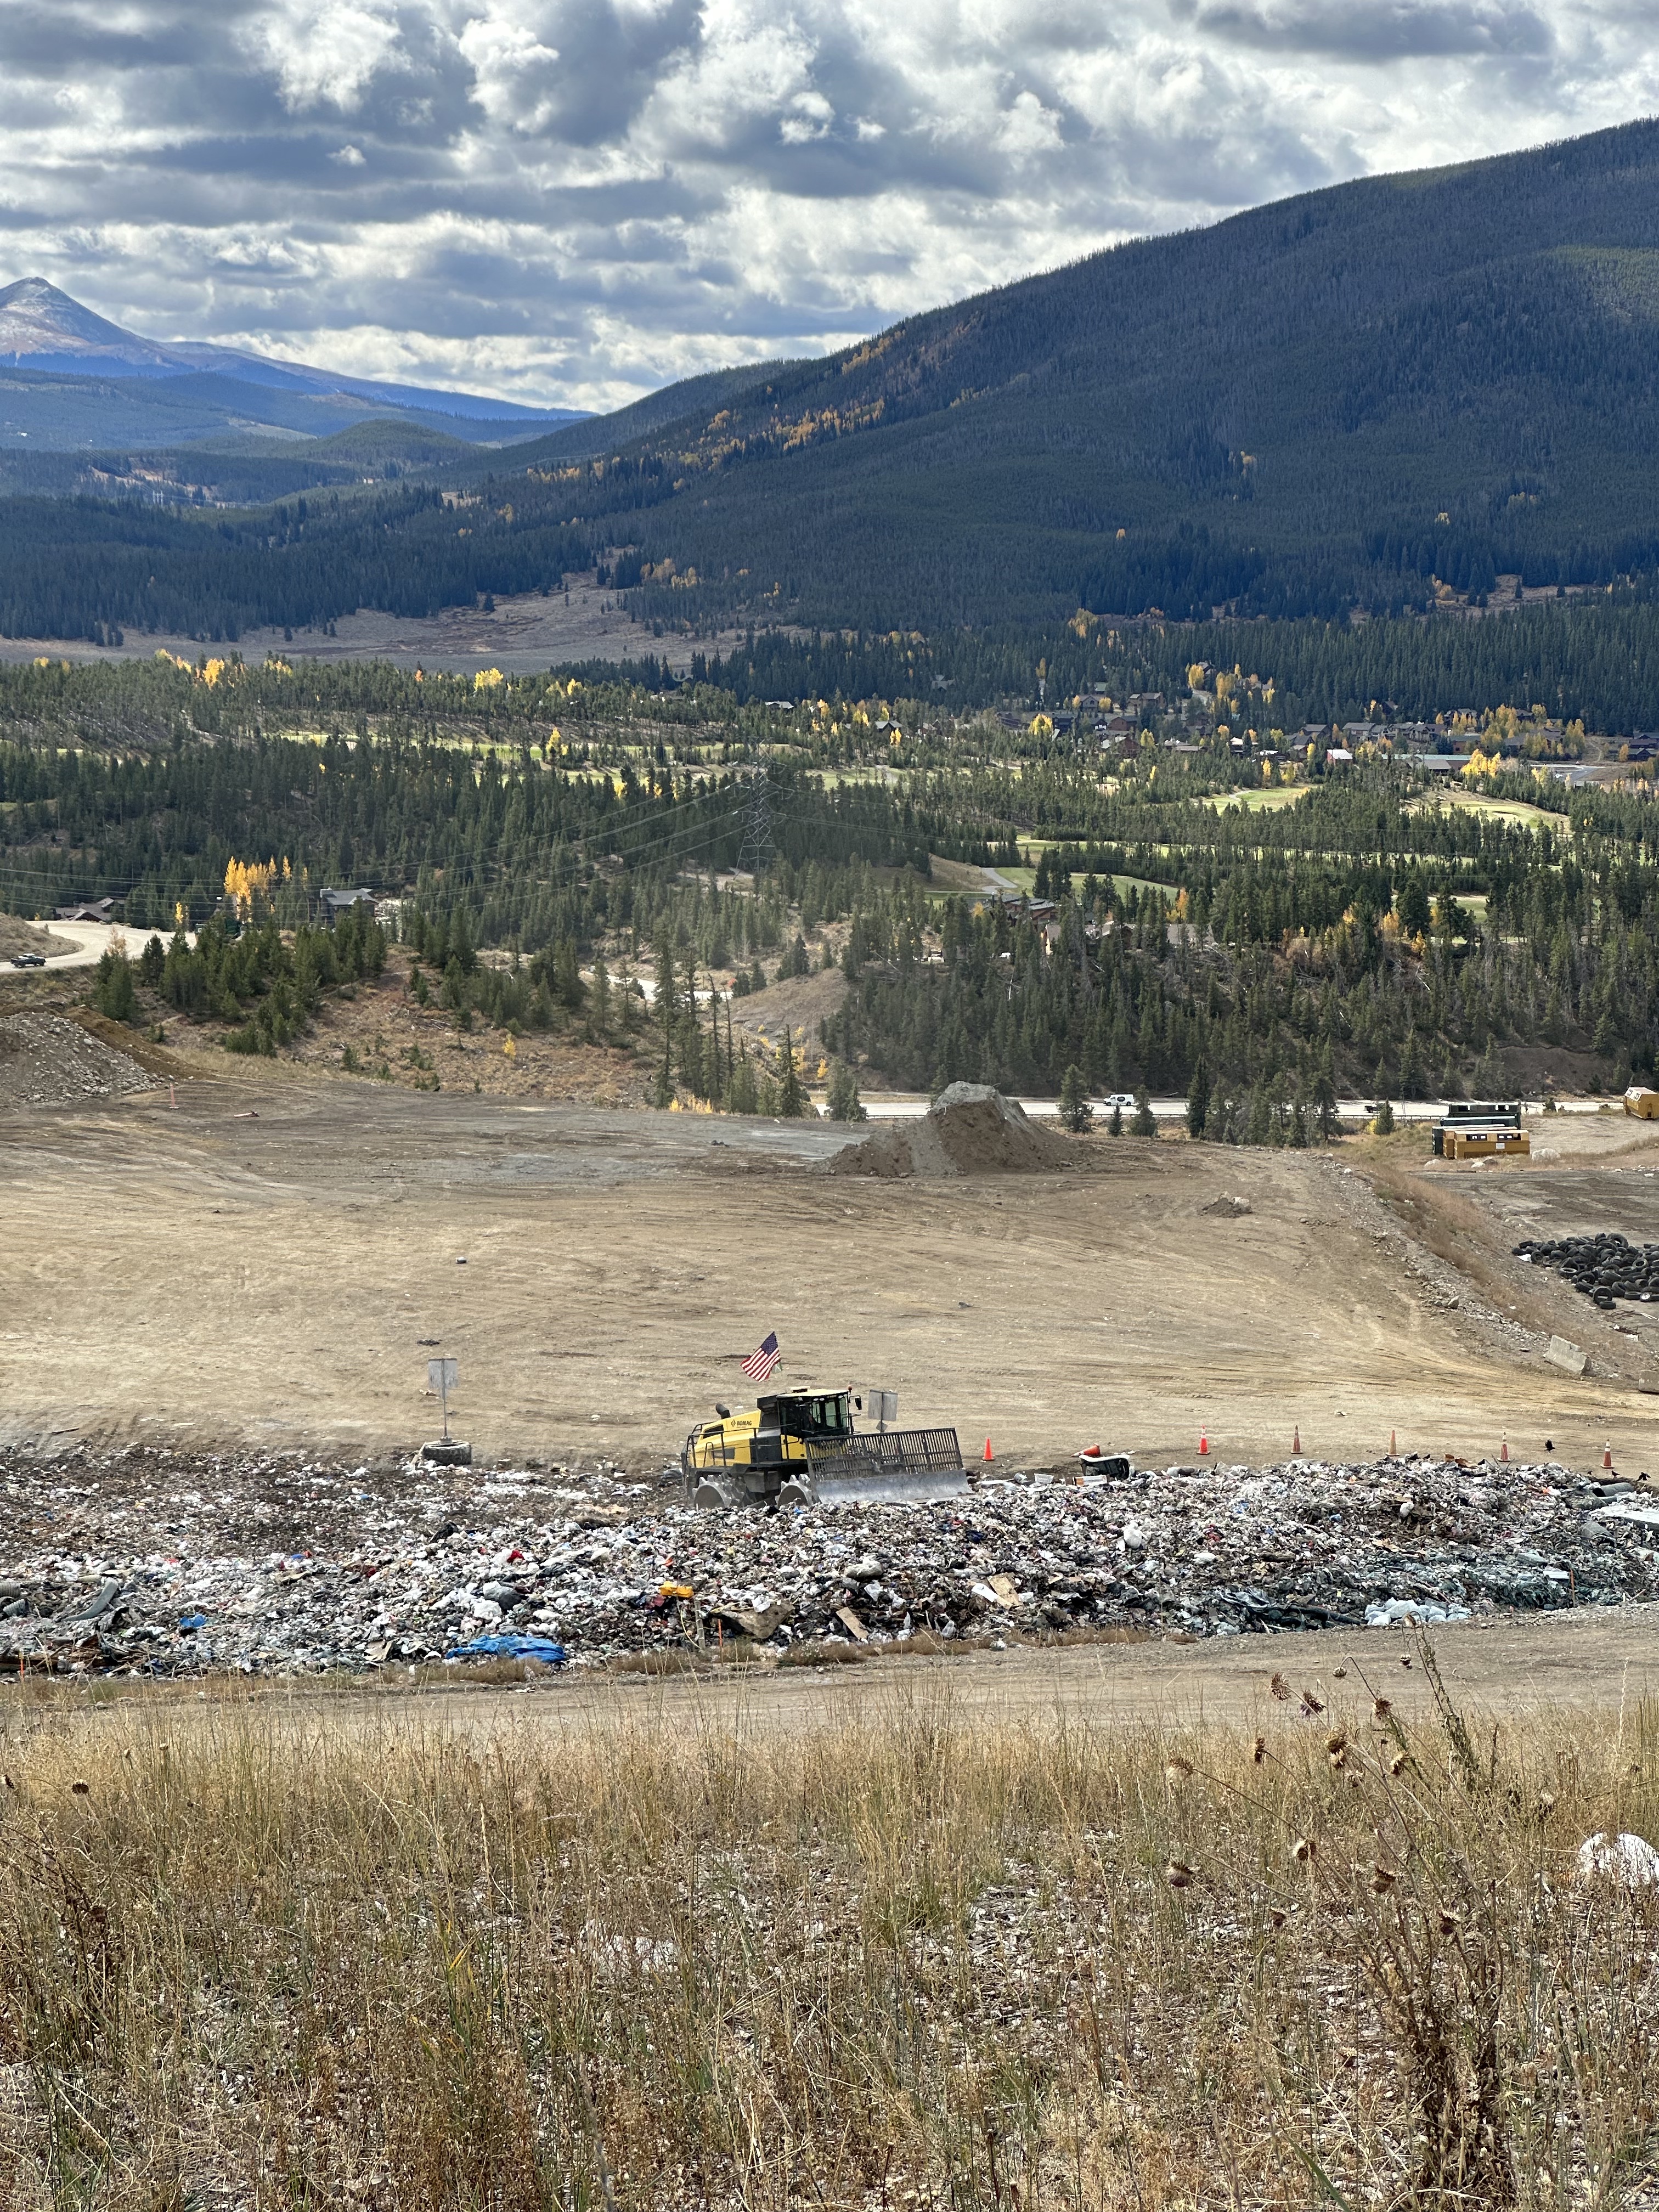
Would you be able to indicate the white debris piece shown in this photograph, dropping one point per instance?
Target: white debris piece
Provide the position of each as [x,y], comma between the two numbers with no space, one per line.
[1628,1859]
[1413,1613]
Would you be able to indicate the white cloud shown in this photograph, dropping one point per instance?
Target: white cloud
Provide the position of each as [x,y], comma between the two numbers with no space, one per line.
[577,199]
[516,76]
[324,54]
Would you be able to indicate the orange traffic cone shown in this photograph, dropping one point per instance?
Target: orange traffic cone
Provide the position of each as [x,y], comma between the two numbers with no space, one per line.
[1296,1440]
[1607,1457]
[990,1455]
[1203,1443]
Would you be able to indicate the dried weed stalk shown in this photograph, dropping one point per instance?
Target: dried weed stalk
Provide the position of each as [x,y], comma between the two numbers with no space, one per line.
[351,1957]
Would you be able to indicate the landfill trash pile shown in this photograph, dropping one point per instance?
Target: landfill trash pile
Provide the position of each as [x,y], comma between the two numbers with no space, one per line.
[47,1060]
[969,1129]
[155,1564]
[1604,1267]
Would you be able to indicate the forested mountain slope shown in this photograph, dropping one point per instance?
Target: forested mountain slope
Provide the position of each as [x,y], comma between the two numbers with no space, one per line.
[1344,396]
[1352,398]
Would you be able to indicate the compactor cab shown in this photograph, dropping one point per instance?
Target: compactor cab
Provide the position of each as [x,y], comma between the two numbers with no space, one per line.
[798,1447]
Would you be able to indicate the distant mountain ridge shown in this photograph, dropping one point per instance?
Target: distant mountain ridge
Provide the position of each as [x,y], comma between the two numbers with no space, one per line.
[46,333]
[1359,396]
[1385,396]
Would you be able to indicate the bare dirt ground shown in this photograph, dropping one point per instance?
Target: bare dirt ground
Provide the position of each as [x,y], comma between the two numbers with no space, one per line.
[17,936]
[525,633]
[799,1004]
[270,1260]
[1592,1660]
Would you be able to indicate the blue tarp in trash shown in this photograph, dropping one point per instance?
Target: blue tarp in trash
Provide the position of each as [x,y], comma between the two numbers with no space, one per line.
[511,1647]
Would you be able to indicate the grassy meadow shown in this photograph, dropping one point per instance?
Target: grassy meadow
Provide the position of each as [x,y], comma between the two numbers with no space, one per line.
[269,1956]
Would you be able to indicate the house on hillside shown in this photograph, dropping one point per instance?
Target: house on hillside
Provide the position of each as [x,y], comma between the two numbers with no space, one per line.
[331,905]
[102,910]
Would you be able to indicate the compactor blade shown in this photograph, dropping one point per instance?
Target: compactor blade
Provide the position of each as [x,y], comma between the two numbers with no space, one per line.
[852,1484]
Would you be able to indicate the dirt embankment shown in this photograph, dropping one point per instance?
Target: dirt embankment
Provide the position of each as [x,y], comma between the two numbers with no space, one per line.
[19,936]
[47,1059]
[969,1129]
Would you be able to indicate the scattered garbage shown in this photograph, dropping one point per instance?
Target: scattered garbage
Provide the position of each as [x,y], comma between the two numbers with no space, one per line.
[1412,1613]
[153,1562]
[539,1648]
[1628,1859]
[1604,1268]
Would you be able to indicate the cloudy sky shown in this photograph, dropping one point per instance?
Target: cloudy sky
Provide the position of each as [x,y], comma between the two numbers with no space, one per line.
[578,200]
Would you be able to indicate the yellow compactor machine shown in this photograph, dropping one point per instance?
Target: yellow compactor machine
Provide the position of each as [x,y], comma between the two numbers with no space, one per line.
[800,1448]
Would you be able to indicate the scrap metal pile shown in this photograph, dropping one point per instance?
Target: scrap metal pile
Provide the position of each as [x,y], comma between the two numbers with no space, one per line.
[1604,1267]
[158,1565]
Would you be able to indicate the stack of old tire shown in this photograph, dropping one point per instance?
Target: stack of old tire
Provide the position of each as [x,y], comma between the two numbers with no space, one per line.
[1605,1268]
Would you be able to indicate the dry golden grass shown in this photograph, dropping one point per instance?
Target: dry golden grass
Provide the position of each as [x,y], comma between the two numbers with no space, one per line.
[248,1958]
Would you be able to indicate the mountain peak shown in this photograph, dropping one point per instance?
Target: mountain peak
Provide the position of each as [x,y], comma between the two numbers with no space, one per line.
[37,320]
[44,329]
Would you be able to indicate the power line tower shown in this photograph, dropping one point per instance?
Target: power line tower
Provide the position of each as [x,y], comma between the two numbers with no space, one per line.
[755,850]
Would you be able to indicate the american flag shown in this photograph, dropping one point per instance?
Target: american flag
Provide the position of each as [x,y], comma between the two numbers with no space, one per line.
[760,1362]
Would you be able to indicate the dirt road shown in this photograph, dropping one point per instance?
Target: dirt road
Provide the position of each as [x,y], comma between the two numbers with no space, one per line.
[1589,1661]
[295,1246]
[1605,1661]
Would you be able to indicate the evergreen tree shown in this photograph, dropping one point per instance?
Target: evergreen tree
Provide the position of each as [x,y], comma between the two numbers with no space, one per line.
[792,1102]
[1145,1123]
[1324,1098]
[845,1104]
[1411,1068]
[1075,1111]
[113,992]
[743,1092]
[1198,1100]
[667,1010]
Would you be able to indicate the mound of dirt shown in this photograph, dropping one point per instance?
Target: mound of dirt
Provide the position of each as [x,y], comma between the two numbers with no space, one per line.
[19,936]
[969,1130]
[47,1060]
[1227,1208]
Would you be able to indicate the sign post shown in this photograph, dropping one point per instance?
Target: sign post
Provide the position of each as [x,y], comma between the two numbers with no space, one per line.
[442,1375]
